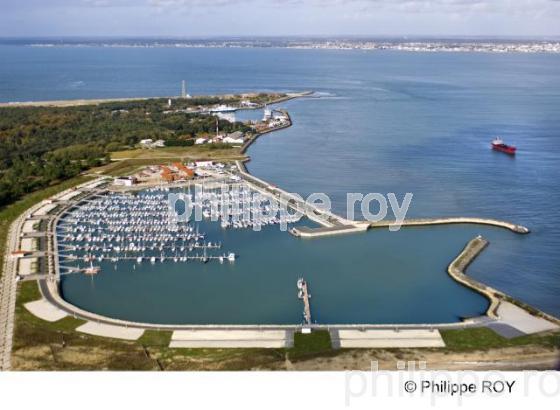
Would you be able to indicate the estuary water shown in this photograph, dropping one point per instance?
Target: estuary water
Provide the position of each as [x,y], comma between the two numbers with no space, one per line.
[384,122]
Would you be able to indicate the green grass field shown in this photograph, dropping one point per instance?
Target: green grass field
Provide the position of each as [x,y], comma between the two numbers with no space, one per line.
[484,338]
[202,152]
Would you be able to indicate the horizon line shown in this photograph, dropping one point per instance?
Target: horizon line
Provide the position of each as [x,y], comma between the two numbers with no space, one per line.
[284,36]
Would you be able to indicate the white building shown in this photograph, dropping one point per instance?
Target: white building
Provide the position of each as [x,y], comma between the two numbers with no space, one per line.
[230,140]
[247,103]
[124,181]
[150,143]
[200,141]
[203,164]
[236,137]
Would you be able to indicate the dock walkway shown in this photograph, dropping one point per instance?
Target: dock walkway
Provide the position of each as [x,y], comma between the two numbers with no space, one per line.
[302,285]
[326,219]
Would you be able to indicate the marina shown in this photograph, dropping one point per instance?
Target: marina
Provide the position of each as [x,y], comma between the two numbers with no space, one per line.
[148,226]
[139,248]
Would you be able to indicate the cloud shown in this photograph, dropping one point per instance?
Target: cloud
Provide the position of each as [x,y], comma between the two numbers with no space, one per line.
[265,17]
[426,5]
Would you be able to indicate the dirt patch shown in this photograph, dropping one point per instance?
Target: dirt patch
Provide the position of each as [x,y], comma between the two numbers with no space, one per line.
[512,358]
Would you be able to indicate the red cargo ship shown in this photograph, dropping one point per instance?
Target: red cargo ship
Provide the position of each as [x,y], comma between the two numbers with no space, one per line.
[499,145]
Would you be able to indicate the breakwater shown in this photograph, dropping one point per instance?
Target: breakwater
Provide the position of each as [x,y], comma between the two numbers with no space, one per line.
[361,226]
[454,220]
[457,270]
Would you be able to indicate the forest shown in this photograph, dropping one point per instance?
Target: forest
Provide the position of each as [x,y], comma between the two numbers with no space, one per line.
[40,146]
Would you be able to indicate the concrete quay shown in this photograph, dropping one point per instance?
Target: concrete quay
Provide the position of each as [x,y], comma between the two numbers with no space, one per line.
[386,338]
[324,218]
[307,232]
[242,338]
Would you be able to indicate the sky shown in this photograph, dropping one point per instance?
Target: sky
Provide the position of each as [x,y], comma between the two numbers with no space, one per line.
[210,18]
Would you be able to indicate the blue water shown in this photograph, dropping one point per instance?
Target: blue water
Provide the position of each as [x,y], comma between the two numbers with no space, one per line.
[387,122]
[353,279]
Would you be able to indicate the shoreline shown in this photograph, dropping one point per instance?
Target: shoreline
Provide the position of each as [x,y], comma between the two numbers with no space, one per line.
[97,101]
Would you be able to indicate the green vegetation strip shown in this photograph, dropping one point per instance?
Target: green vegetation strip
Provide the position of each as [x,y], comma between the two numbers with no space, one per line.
[307,346]
[483,338]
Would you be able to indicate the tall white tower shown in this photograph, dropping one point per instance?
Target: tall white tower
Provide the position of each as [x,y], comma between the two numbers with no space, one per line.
[183,89]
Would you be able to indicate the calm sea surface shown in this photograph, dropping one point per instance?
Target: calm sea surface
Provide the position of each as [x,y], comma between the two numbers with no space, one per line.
[385,122]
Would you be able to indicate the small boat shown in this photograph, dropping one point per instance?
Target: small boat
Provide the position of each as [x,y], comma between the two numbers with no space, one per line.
[92,270]
[231,257]
[300,283]
[499,145]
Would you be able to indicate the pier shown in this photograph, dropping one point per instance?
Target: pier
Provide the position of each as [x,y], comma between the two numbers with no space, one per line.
[326,219]
[304,295]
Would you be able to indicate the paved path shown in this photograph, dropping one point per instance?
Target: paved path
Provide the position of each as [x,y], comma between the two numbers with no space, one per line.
[517,318]
[231,339]
[115,332]
[8,289]
[44,310]
[388,338]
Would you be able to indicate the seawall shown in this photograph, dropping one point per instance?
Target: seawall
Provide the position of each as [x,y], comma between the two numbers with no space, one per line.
[454,220]
[457,270]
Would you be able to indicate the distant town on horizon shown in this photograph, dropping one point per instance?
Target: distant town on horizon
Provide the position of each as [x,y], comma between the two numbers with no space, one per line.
[543,44]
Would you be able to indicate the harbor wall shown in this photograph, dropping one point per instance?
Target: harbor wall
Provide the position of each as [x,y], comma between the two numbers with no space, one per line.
[453,220]
[457,270]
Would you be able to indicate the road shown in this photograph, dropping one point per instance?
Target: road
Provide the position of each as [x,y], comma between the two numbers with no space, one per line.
[8,288]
